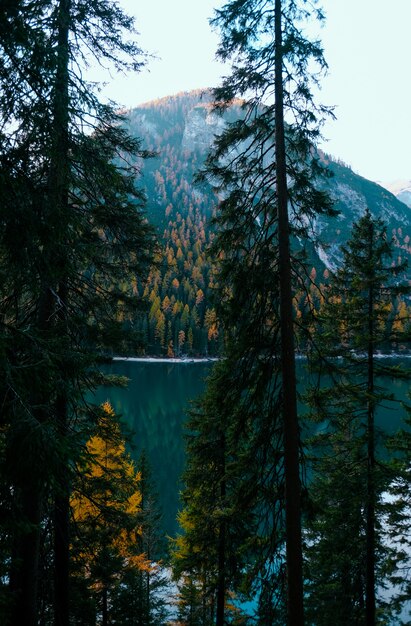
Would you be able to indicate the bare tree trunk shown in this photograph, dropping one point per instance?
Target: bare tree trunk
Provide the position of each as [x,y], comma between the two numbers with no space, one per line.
[61,528]
[295,613]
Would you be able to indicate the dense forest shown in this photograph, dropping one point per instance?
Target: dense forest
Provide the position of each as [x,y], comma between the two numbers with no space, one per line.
[195,225]
[181,318]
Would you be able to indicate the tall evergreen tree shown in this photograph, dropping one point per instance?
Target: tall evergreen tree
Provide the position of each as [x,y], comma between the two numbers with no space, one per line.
[265,170]
[215,558]
[354,327]
[396,520]
[83,228]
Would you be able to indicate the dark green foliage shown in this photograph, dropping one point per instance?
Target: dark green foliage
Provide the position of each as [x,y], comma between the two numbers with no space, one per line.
[223,521]
[397,520]
[254,400]
[347,556]
[335,550]
[72,224]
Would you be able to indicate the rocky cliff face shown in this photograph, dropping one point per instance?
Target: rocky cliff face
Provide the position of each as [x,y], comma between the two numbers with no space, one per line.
[352,194]
[200,128]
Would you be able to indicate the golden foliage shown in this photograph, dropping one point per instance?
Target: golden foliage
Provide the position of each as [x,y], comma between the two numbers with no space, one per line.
[106,503]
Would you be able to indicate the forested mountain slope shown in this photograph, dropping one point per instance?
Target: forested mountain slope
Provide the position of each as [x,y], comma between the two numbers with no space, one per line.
[180,129]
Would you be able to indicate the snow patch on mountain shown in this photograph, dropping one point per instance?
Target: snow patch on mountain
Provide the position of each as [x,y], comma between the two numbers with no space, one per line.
[397,186]
[405,196]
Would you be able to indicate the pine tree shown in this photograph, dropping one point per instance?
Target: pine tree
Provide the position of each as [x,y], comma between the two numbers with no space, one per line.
[354,328]
[396,519]
[143,598]
[265,171]
[335,531]
[213,557]
[83,228]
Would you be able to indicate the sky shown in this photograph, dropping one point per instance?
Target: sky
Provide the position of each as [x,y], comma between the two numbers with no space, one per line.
[367,45]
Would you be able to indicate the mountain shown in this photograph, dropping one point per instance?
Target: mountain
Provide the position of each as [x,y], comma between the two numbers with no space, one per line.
[402,190]
[180,130]
[352,194]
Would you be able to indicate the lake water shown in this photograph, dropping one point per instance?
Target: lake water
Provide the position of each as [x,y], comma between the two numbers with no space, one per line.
[154,407]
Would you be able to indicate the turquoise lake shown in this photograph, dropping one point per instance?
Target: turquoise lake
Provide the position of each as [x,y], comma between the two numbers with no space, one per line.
[155,404]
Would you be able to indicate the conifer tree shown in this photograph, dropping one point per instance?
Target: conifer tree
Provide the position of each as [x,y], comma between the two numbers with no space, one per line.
[396,519]
[354,328]
[214,557]
[80,215]
[106,503]
[265,171]
[144,597]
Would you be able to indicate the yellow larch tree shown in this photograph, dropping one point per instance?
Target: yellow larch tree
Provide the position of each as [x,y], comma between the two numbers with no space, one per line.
[106,507]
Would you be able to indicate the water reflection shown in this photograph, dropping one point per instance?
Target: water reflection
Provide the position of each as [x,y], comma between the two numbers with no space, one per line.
[154,407]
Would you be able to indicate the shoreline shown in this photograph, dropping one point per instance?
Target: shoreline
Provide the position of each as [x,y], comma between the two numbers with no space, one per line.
[187,360]
[153,359]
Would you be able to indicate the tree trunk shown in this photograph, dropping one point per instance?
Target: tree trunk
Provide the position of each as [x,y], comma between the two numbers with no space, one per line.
[29,495]
[221,583]
[25,562]
[370,509]
[295,614]
[61,527]
[58,195]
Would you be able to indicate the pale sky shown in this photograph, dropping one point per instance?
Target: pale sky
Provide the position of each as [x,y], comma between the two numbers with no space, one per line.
[367,46]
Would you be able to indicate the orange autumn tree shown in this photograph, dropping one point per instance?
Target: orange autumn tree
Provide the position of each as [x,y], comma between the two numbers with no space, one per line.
[106,510]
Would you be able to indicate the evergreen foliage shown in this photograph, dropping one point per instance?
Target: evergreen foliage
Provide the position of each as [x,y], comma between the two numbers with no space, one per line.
[218,554]
[347,557]
[72,225]
[79,524]
[396,521]
[144,597]
[257,278]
